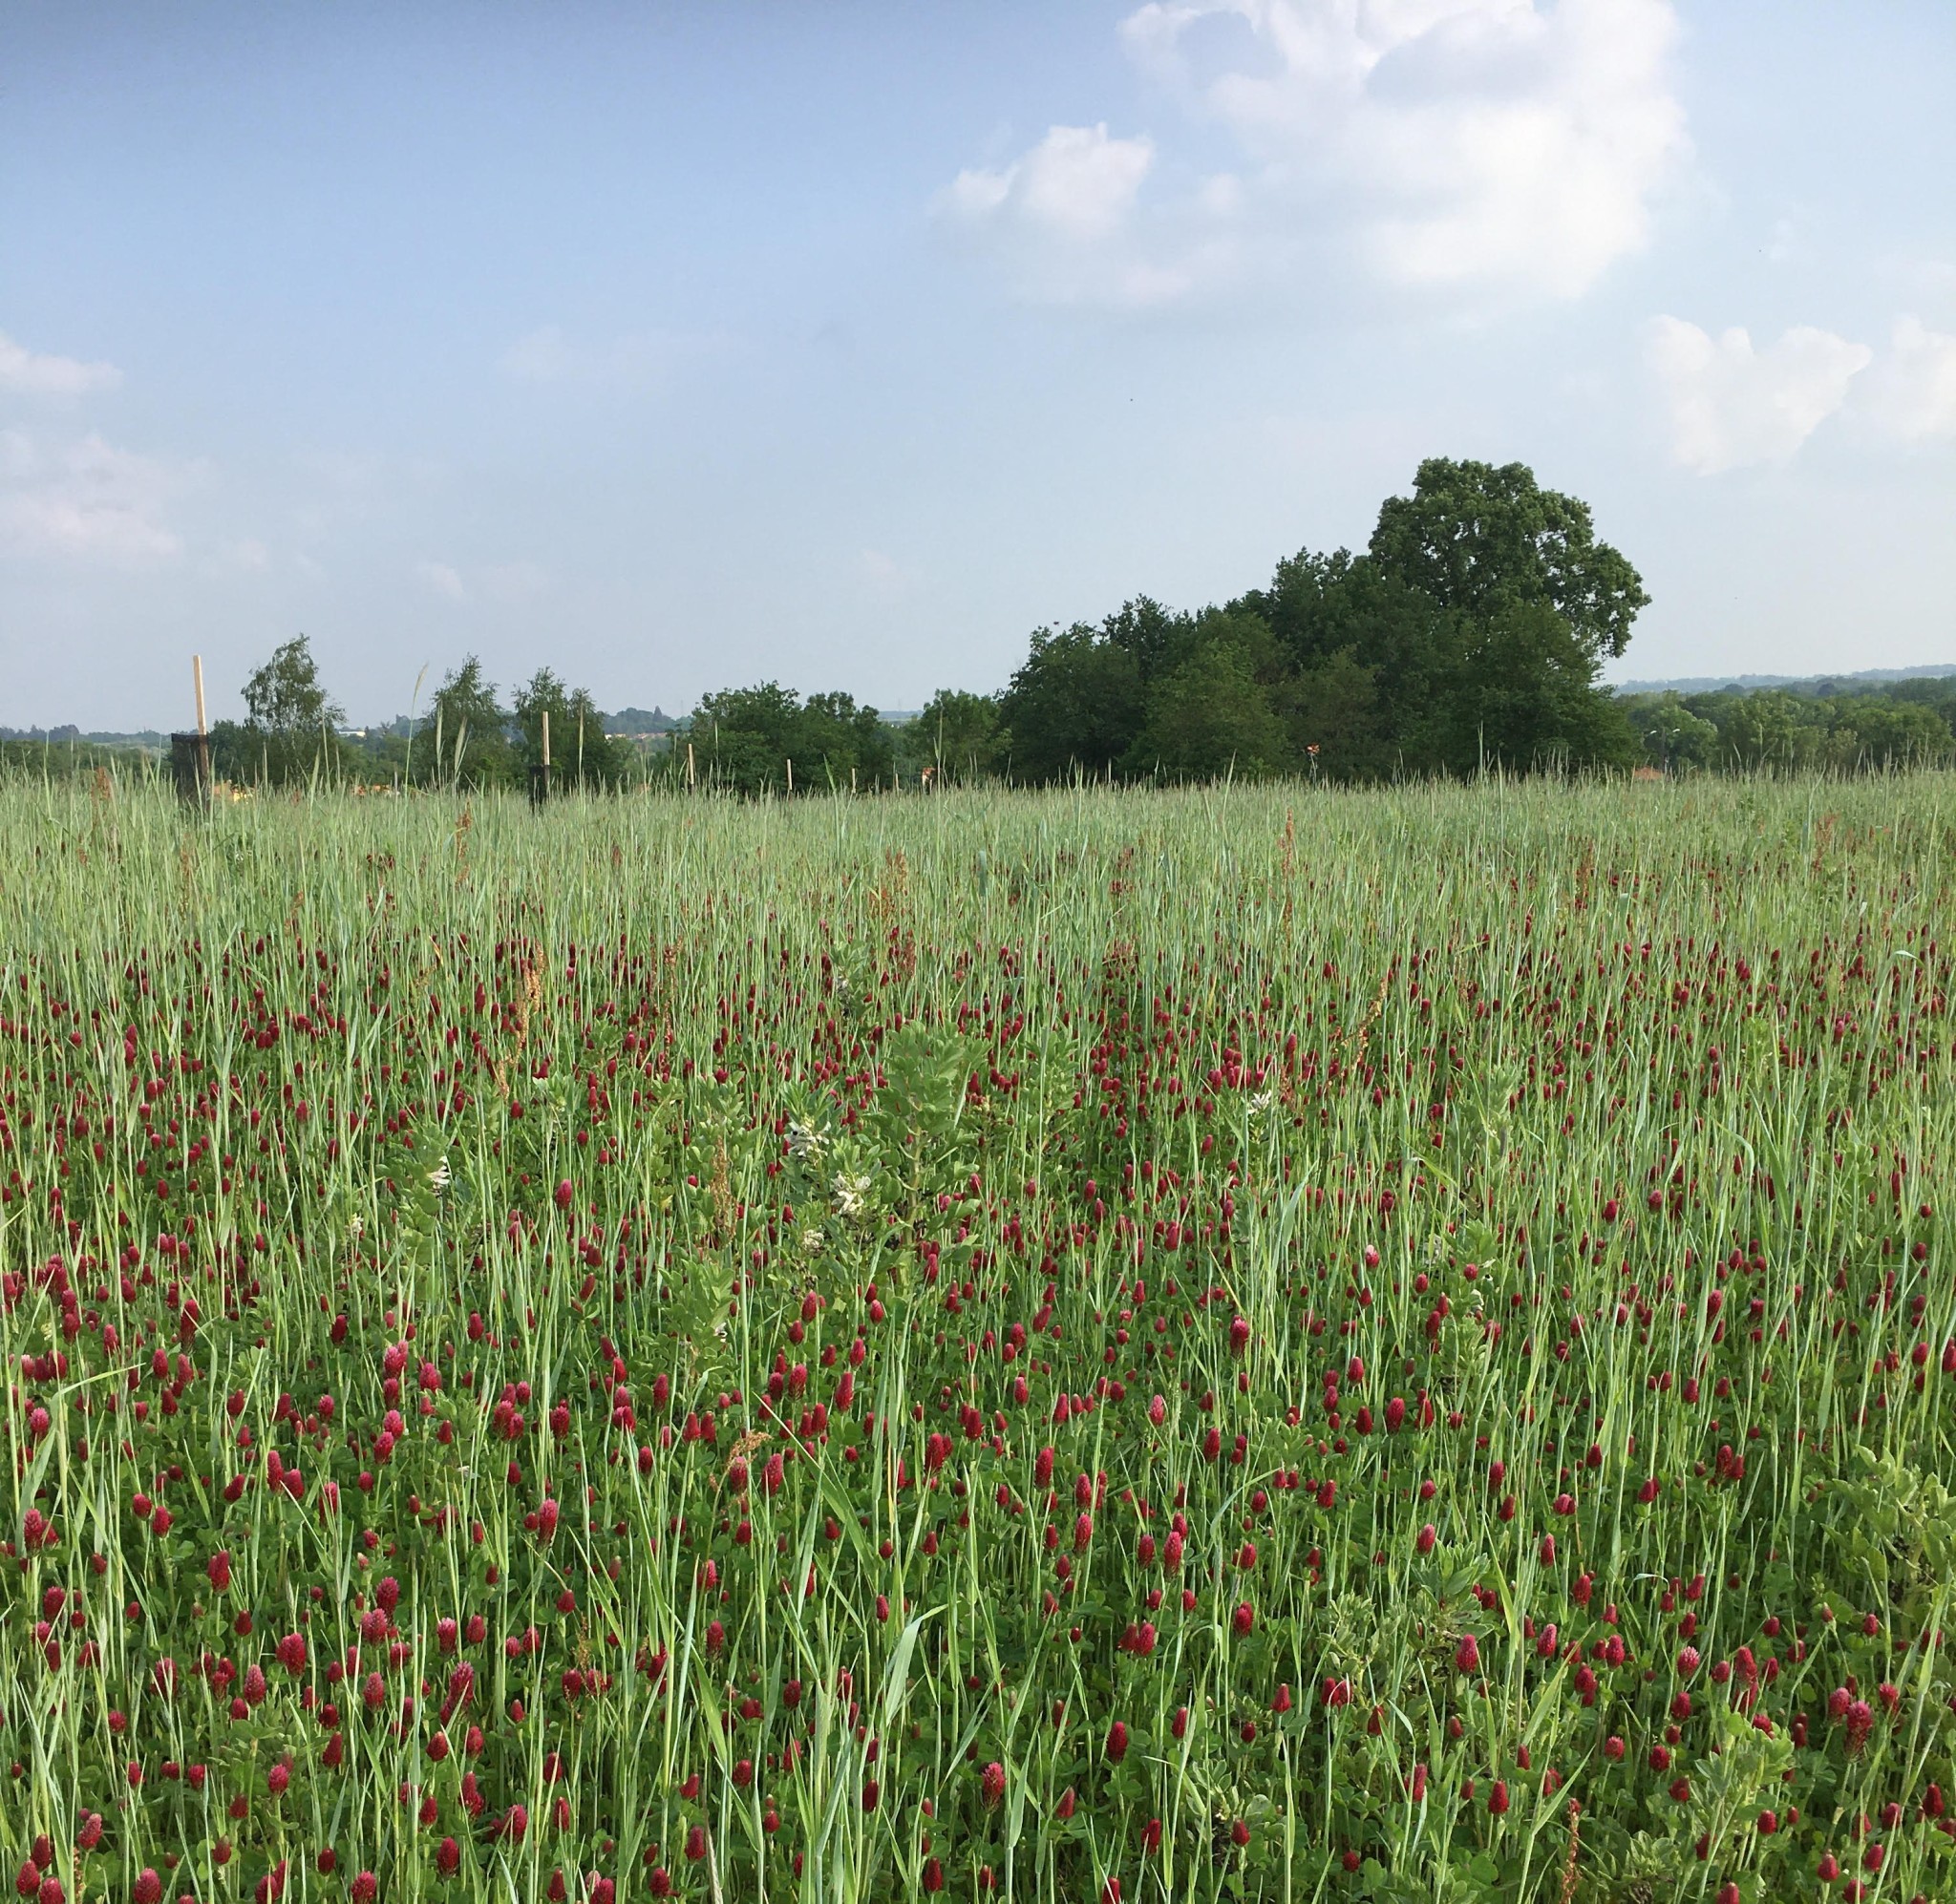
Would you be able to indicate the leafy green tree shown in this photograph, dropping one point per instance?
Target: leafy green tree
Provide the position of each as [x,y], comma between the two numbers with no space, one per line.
[1158,638]
[1335,719]
[1208,717]
[466,731]
[1075,704]
[1472,629]
[745,738]
[1885,733]
[581,751]
[1238,629]
[291,725]
[1366,654]
[1476,538]
[285,696]
[744,735]
[1855,729]
[1673,735]
[957,735]
[1535,603]
[1521,696]
[1936,692]
[836,738]
[1772,730]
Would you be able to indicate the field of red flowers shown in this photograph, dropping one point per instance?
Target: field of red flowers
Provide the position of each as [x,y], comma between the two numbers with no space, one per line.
[1235,1345]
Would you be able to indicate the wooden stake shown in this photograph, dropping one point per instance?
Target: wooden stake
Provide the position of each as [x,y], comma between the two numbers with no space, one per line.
[791,776]
[197,675]
[546,736]
[688,763]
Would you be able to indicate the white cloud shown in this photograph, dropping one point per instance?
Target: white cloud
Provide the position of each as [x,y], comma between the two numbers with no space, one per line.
[85,501]
[640,361]
[441,579]
[1911,394]
[1077,183]
[1476,148]
[1067,222]
[36,373]
[1730,405]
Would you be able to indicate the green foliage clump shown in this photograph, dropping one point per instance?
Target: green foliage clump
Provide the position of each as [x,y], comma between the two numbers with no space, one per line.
[1856,729]
[754,740]
[1468,635]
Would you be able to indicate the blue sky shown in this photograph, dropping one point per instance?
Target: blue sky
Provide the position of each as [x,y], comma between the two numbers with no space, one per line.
[678,348]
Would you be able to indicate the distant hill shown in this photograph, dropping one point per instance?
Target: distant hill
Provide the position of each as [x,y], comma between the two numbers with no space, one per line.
[1796,684]
[63,737]
[637,721]
[56,736]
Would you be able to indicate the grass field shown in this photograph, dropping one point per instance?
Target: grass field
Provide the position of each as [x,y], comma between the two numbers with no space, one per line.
[1251,1345]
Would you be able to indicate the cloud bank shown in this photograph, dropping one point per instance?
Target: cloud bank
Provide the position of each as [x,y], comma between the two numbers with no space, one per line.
[86,501]
[1466,150]
[1731,405]
[26,373]
[1911,394]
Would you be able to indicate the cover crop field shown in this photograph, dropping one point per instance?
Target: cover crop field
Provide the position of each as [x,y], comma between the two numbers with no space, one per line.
[1076,1346]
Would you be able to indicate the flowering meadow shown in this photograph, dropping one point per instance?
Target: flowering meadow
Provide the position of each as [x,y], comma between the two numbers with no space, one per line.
[1248,1344]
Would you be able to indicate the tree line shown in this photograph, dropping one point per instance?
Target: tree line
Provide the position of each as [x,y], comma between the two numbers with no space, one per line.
[295,731]
[1854,728]
[1469,634]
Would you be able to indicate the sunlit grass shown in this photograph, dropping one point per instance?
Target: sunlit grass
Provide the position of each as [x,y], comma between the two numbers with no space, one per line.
[1598,1128]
